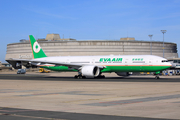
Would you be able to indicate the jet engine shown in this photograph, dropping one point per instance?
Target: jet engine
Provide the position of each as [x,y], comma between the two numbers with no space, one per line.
[123,73]
[90,71]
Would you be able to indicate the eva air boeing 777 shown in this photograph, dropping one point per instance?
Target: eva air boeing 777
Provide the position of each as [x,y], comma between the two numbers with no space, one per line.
[93,66]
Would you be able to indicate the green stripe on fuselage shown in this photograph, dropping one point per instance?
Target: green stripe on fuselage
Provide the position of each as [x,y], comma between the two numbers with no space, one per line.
[134,68]
[114,68]
[59,68]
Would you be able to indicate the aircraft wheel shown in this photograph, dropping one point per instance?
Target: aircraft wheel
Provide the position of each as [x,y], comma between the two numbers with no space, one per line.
[101,76]
[79,76]
[157,77]
[83,76]
[75,76]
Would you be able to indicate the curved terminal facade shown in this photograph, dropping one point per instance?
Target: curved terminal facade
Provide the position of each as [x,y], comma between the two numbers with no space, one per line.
[71,47]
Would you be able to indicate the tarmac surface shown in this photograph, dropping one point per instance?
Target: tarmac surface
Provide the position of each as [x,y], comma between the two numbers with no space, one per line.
[58,96]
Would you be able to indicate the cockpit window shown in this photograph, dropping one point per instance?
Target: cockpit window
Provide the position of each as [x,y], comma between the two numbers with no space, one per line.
[164,60]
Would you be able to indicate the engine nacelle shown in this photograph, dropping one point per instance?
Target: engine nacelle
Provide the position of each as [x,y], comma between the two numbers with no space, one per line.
[123,73]
[90,71]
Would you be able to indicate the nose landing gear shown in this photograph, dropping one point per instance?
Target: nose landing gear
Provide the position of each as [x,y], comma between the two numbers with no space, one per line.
[157,77]
[157,74]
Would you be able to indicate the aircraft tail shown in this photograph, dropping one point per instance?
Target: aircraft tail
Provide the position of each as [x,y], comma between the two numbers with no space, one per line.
[36,49]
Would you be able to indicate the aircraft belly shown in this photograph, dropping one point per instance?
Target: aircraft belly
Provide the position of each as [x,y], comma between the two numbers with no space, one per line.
[128,68]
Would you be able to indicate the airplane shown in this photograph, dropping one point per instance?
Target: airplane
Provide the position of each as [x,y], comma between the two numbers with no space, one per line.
[93,66]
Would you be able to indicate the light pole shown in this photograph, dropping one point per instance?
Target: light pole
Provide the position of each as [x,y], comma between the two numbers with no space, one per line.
[163,31]
[151,42]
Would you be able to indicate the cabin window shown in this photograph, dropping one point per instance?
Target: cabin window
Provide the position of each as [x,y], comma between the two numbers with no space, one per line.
[164,60]
[175,61]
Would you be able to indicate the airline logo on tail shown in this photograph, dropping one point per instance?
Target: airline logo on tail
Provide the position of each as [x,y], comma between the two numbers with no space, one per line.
[36,47]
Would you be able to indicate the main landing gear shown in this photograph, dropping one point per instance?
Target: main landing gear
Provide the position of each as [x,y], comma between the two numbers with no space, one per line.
[100,76]
[157,77]
[83,77]
[79,77]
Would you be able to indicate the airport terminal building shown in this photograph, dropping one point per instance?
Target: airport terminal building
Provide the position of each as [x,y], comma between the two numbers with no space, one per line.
[53,45]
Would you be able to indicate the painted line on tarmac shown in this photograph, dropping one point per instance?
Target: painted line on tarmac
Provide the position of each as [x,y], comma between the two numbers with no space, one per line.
[30,117]
[16,91]
[66,93]
[133,101]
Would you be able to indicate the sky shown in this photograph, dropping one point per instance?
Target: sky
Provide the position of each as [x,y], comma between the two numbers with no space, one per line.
[89,20]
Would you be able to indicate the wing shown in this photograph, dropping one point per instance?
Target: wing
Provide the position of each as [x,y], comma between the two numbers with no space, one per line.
[17,63]
[36,62]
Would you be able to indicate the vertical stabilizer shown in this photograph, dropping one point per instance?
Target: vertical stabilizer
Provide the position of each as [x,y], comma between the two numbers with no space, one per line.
[36,49]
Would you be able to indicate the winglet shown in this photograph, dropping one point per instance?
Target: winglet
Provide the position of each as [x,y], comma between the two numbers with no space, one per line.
[36,49]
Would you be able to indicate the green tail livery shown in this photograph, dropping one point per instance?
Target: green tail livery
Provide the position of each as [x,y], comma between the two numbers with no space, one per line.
[36,49]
